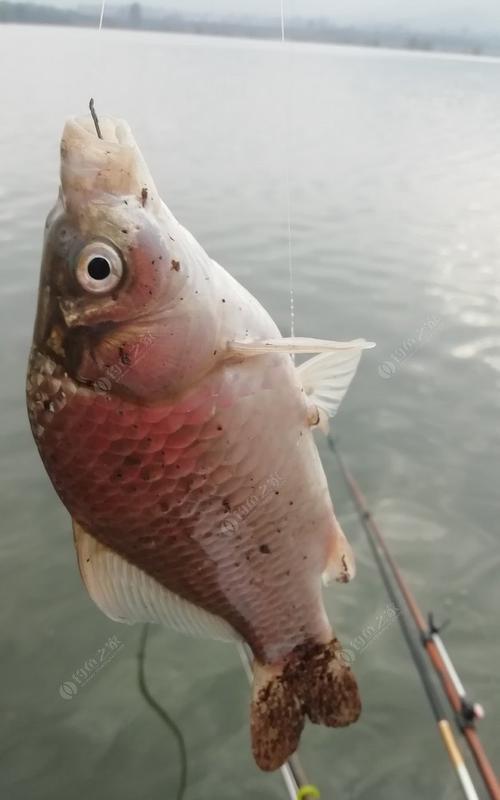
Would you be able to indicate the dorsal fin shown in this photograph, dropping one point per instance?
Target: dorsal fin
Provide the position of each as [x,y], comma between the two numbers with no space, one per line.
[293,344]
[127,594]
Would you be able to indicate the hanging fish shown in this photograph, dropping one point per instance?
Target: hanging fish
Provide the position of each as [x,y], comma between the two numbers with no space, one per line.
[178,433]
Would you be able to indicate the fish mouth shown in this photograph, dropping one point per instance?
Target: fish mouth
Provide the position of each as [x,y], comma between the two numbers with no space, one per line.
[111,165]
[75,348]
[81,346]
[81,131]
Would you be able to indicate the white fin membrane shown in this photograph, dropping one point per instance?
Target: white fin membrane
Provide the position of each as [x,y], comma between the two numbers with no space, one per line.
[296,344]
[326,378]
[127,594]
[341,565]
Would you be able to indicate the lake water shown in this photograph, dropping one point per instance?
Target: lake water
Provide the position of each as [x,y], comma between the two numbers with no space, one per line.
[394,166]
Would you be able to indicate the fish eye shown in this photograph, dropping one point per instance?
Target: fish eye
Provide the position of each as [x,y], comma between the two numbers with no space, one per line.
[99,268]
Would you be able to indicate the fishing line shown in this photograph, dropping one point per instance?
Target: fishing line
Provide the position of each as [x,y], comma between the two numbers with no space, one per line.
[102,15]
[97,63]
[160,711]
[287,182]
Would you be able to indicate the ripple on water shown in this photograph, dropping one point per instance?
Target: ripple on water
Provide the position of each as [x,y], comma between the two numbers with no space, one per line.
[405,521]
[486,349]
[394,219]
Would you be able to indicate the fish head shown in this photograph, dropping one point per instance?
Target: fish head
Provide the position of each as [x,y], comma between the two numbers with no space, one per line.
[111,286]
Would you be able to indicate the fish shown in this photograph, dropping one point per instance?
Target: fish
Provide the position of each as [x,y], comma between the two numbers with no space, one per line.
[178,432]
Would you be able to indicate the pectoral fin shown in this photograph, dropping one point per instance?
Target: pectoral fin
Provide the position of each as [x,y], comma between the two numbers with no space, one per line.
[326,378]
[127,594]
[295,344]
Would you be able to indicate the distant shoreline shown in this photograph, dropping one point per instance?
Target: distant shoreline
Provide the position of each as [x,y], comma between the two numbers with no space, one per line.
[315,31]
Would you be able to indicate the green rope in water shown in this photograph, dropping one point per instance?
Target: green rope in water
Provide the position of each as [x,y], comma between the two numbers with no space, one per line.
[144,690]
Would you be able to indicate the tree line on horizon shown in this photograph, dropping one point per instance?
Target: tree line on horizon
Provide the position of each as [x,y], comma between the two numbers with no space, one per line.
[137,17]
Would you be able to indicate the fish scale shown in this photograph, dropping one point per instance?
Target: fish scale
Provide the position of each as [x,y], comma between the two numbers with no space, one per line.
[161,498]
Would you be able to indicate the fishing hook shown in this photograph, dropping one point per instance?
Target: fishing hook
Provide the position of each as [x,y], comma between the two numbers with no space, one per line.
[94,117]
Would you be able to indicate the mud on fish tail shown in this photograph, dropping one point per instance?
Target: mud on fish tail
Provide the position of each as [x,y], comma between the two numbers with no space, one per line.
[314,681]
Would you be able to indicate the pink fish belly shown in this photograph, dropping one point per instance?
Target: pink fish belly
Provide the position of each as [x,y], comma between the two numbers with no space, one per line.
[219,495]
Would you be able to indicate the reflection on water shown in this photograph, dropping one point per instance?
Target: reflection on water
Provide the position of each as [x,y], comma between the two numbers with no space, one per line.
[395,197]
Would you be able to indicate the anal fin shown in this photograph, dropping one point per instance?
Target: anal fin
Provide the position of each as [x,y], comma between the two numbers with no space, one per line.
[127,594]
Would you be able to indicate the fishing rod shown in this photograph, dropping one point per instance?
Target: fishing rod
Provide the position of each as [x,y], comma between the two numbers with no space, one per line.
[466,713]
[466,710]
[292,772]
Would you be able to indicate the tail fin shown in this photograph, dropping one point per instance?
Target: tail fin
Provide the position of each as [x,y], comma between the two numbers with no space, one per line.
[314,680]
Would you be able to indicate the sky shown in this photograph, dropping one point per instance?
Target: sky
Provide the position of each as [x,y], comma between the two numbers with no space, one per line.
[483,15]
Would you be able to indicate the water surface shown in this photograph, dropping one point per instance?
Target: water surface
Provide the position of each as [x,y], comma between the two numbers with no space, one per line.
[394,171]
